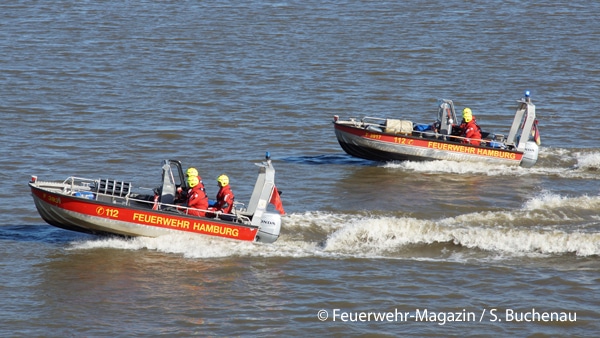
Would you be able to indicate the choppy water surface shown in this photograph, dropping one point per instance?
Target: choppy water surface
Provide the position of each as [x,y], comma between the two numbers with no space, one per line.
[112,88]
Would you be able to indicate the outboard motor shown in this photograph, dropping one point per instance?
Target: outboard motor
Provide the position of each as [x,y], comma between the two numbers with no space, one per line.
[270,226]
[530,155]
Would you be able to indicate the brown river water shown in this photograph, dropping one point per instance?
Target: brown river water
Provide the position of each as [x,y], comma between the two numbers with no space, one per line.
[111,88]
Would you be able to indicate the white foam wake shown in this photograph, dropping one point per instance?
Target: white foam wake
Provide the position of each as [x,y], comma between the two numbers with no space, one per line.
[384,236]
[548,224]
[566,163]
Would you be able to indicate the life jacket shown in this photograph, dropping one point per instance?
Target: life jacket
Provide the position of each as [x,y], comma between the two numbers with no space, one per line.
[197,199]
[472,133]
[225,200]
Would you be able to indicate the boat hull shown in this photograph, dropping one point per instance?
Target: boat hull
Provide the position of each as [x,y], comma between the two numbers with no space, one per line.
[97,217]
[379,146]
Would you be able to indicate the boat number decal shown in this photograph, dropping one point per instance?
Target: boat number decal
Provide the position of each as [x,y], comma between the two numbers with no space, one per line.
[373,136]
[403,140]
[52,199]
[114,213]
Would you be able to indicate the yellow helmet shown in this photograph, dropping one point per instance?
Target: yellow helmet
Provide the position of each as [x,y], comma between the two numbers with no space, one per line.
[193,181]
[467,115]
[223,180]
[191,172]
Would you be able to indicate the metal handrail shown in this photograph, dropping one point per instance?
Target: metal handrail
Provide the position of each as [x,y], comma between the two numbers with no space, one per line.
[73,184]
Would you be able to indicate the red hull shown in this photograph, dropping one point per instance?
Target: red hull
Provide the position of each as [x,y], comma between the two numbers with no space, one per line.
[379,146]
[80,214]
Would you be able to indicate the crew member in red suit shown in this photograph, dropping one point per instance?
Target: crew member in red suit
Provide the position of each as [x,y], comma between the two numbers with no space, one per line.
[225,196]
[469,128]
[181,195]
[197,198]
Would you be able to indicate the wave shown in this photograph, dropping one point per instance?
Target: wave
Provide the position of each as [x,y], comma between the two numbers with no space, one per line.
[386,236]
[546,225]
[588,161]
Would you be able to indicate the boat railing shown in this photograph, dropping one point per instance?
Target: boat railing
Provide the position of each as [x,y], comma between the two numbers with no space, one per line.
[378,124]
[373,120]
[182,209]
[73,185]
[494,141]
[366,121]
[369,121]
[88,188]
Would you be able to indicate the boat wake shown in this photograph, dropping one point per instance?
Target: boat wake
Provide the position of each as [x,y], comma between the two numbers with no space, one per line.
[565,163]
[545,226]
